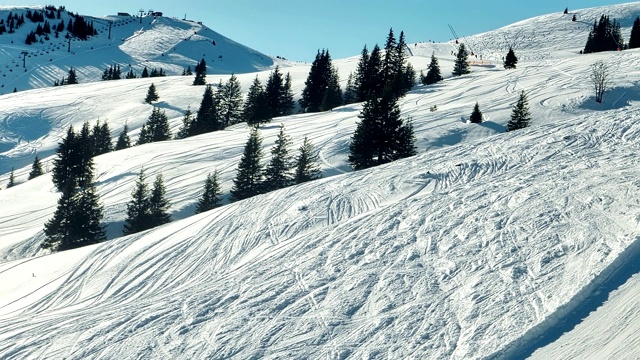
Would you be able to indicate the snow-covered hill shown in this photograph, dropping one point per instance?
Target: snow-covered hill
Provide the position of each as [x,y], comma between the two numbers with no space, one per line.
[486,245]
[131,42]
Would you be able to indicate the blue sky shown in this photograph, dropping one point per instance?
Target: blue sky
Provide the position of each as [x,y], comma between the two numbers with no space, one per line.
[296,29]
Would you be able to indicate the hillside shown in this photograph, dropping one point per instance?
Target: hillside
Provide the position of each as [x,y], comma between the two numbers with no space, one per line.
[486,245]
[131,42]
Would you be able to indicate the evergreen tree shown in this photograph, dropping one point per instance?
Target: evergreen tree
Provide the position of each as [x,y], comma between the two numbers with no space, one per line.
[36,168]
[248,181]
[207,119]
[274,93]
[201,73]
[255,108]
[101,135]
[510,60]
[306,163]
[634,39]
[277,175]
[375,82]
[350,94]
[12,180]
[130,75]
[333,94]
[316,83]
[461,65]
[152,94]
[476,115]
[390,60]
[145,73]
[156,128]
[58,230]
[230,101]
[286,97]
[520,115]
[64,163]
[76,221]
[605,36]
[72,78]
[187,123]
[85,151]
[138,208]
[158,204]
[87,214]
[211,197]
[73,166]
[381,136]
[362,76]
[124,141]
[433,73]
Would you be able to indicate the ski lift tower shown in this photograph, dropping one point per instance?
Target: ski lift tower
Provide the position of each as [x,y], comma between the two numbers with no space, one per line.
[141,13]
[24,58]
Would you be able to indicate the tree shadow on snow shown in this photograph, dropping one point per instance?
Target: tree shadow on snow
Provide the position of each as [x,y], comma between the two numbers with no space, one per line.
[615,98]
[493,126]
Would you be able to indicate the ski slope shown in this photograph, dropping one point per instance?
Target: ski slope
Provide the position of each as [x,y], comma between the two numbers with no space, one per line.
[486,245]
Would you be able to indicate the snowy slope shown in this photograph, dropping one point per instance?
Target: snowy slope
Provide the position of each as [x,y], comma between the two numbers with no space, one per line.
[133,43]
[479,247]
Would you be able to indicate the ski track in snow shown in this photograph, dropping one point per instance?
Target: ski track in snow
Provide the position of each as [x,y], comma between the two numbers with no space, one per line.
[469,250]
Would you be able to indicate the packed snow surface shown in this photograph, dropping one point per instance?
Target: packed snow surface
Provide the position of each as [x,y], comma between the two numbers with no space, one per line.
[486,245]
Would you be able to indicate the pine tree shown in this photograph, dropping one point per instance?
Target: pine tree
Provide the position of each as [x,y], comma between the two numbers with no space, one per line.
[156,128]
[510,60]
[381,136]
[130,75]
[207,119]
[433,74]
[36,168]
[58,229]
[12,180]
[350,94]
[255,108]
[605,36]
[124,141]
[476,115]
[286,97]
[248,181]
[84,149]
[211,197]
[145,73]
[87,214]
[138,208]
[273,93]
[101,135]
[461,65]
[520,115]
[158,204]
[64,163]
[76,221]
[201,73]
[72,78]
[152,94]
[277,175]
[187,123]
[375,82]
[306,163]
[333,94]
[361,78]
[634,39]
[316,83]
[73,166]
[390,60]
[230,101]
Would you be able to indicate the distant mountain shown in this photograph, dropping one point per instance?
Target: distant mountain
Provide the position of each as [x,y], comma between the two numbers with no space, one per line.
[131,42]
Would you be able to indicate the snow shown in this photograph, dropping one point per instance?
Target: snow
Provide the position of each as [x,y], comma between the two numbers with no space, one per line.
[486,245]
